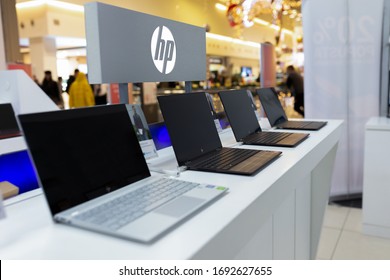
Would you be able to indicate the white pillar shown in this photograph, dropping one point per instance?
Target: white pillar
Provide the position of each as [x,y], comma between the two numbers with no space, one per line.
[43,54]
[342,42]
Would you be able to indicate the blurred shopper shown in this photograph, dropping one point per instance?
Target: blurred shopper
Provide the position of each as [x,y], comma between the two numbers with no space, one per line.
[50,87]
[59,82]
[60,91]
[80,92]
[295,84]
[100,94]
[71,80]
[35,79]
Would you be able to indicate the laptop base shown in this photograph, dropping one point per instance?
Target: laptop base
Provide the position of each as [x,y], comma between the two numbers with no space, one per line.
[301,125]
[250,165]
[164,217]
[290,140]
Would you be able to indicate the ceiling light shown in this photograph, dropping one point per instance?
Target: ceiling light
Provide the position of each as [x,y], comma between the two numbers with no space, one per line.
[286,31]
[66,6]
[273,26]
[30,4]
[221,7]
[58,4]
[262,22]
[232,40]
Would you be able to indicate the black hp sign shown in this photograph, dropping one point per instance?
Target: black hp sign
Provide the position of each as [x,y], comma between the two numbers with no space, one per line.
[163,49]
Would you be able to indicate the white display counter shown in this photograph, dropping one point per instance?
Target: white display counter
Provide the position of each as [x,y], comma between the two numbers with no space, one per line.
[376,182]
[276,214]
[10,145]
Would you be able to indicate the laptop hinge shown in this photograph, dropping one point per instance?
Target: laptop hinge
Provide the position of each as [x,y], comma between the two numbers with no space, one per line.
[61,219]
[280,120]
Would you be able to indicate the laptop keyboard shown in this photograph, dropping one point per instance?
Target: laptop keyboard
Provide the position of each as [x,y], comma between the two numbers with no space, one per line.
[226,158]
[292,124]
[127,208]
[266,137]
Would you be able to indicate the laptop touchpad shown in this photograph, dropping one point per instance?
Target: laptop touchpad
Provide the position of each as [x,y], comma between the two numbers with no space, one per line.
[180,206]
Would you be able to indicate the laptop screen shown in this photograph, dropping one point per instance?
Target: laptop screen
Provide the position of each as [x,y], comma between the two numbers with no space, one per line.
[81,154]
[8,121]
[190,125]
[239,110]
[271,104]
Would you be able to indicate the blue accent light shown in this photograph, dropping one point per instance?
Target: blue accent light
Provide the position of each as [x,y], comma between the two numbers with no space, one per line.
[224,123]
[160,135]
[17,169]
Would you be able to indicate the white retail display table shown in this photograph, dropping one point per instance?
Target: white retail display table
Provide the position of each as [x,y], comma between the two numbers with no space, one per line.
[10,145]
[376,181]
[276,214]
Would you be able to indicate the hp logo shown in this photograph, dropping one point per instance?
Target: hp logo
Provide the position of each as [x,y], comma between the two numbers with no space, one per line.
[163,49]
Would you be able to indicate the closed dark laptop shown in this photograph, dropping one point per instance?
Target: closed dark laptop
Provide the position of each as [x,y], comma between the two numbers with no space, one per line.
[8,124]
[246,127]
[276,115]
[196,142]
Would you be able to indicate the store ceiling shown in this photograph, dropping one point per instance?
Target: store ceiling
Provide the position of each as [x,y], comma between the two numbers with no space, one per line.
[290,20]
[67,42]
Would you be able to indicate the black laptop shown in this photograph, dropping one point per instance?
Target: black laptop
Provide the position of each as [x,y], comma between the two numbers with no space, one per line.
[8,124]
[246,127]
[276,115]
[196,142]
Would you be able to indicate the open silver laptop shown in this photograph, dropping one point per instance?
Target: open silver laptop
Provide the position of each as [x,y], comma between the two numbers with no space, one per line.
[94,175]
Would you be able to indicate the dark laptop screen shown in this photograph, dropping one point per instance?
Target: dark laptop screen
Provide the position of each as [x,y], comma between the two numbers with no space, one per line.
[190,125]
[8,121]
[271,104]
[239,110]
[84,153]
